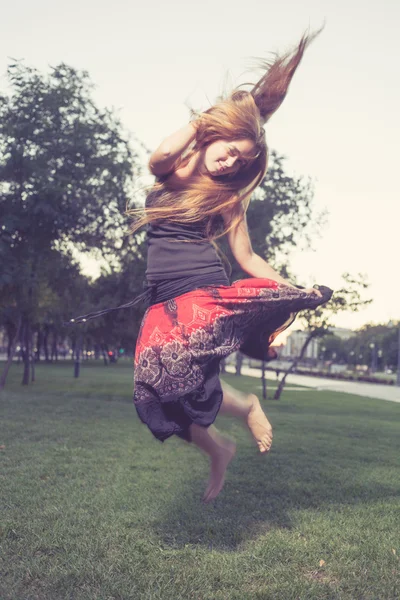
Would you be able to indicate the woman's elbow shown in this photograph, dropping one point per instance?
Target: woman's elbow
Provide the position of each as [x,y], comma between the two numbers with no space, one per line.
[159,160]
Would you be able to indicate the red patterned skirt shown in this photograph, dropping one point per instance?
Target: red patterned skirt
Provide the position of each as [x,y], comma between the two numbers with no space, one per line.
[182,341]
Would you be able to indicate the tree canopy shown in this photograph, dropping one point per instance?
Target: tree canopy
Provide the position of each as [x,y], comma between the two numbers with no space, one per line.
[66,172]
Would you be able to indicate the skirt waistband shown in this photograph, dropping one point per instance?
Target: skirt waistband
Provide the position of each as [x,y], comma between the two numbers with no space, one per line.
[159,291]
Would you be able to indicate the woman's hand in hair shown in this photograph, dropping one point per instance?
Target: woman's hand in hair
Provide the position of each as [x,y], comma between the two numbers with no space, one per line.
[195,123]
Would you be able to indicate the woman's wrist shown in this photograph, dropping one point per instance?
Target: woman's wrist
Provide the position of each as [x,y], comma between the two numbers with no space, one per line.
[288,283]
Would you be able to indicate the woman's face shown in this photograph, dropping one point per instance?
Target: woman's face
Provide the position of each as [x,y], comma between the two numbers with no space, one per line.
[224,157]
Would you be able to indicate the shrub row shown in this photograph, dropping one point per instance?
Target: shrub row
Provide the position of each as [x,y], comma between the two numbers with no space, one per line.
[342,376]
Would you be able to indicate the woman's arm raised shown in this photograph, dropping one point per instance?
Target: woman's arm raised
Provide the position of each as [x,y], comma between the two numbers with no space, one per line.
[163,159]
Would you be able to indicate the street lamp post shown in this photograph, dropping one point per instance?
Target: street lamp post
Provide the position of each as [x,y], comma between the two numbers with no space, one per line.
[373,357]
[379,361]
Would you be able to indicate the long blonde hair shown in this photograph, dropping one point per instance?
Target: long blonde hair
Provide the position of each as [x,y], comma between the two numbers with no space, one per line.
[239,116]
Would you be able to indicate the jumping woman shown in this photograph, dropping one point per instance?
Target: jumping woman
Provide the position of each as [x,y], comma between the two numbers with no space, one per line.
[205,174]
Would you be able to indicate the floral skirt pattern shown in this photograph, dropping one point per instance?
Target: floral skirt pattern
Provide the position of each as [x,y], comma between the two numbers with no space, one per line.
[182,341]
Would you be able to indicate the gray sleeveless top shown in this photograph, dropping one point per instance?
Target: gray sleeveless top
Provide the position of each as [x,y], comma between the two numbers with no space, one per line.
[174,265]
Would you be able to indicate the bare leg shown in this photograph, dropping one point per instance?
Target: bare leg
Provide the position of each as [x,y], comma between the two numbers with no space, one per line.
[247,407]
[235,403]
[220,449]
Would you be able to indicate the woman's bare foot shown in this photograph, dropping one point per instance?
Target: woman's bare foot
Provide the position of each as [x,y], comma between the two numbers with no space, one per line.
[219,464]
[259,425]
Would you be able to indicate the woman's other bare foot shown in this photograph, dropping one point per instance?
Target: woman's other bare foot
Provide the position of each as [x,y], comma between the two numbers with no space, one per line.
[219,463]
[259,425]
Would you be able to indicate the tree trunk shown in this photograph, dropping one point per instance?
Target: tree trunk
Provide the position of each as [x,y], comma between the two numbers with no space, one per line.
[27,353]
[39,343]
[56,345]
[77,364]
[54,351]
[10,328]
[105,357]
[45,344]
[10,339]
[12,348]
[291,368]
[239,360]
[32,360]
[263,379]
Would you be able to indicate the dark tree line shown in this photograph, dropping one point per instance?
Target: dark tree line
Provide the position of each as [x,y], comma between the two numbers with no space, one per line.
[65,175]
[372,345]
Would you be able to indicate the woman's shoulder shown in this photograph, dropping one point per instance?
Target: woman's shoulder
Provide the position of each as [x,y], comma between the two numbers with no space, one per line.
[183,170]
[177,166]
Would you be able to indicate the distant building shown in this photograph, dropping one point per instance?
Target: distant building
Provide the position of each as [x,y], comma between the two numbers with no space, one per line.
[294,344]
[342,332]
[296,340]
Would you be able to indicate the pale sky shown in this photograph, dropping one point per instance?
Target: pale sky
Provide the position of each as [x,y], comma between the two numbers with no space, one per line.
[339,124]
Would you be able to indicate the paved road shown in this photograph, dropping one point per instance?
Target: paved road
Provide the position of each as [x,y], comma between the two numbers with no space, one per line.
[371,390]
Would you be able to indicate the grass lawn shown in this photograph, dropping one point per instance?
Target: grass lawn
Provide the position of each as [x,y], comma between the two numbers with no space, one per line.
[94,508]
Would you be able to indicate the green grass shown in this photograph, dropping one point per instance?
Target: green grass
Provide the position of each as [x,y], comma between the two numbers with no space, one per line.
[93,507]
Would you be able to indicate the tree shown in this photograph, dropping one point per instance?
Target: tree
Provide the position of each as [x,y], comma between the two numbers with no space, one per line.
[374,341]
[13,337]
[118,284]
[335,348]
[318,322]
[65,178]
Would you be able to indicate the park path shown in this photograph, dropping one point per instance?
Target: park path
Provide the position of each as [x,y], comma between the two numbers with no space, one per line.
[371,390]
